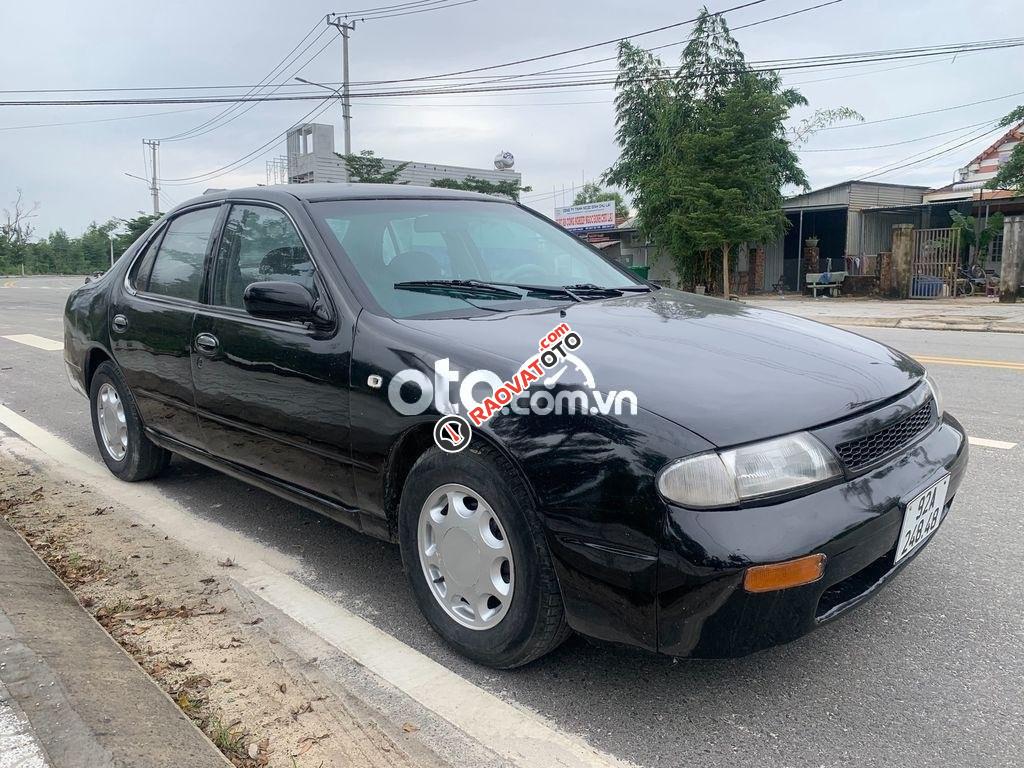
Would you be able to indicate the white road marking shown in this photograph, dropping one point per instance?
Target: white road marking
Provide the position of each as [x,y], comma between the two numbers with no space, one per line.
[518,736]
[985,443]
[39,342]
[18,746]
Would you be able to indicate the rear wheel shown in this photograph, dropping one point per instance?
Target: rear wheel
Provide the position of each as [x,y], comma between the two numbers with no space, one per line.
[477,560]
[123,444]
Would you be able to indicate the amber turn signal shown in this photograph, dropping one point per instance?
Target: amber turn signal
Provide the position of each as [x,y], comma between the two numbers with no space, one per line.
[792,573]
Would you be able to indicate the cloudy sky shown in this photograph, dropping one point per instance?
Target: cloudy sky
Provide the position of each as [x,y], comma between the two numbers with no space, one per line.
[560,137]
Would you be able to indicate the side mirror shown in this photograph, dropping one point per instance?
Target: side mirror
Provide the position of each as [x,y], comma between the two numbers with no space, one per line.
[282,300]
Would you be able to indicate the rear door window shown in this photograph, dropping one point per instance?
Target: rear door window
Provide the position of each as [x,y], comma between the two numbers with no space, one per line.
[178,267]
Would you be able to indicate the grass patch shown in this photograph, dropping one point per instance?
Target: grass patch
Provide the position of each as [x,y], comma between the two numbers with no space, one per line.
[118,606]
[226,737]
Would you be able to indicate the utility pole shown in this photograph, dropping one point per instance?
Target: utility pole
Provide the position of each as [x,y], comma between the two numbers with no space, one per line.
[154,188]
[346,106]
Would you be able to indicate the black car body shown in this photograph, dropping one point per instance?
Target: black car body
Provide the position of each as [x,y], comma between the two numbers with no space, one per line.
[302,409]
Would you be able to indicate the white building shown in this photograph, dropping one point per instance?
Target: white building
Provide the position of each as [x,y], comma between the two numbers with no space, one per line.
[312,158]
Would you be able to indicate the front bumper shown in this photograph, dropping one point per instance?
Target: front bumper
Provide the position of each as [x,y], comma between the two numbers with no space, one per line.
[702,607]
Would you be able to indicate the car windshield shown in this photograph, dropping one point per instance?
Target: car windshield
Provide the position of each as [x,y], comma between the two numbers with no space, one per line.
[395,242]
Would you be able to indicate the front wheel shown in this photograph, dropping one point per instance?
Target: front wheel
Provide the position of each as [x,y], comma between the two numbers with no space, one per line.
[476,558]
[123,444]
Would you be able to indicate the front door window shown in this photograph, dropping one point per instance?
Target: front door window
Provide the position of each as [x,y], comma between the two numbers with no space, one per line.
[259,244]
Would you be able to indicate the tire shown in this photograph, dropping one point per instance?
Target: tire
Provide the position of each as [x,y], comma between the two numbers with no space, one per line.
[532,621]
[141,459]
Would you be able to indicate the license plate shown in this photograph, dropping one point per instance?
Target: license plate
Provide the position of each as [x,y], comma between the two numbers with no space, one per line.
[921,518]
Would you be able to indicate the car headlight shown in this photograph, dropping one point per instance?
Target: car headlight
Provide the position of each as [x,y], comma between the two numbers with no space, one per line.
[936,395]
[727,478]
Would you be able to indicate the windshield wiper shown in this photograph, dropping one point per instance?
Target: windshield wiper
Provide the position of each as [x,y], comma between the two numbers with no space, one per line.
[476,287]
[514,290]
[591,288]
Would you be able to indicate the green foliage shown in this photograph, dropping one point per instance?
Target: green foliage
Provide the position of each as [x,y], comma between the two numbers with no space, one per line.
[822,118]
[1011,174]
[592,193]
[704,151]
[975,238]
[365,168]
[473,184]
[58,253]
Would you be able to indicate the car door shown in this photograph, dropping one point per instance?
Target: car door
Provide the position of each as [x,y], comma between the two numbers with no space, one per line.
[272,396]
[151,321]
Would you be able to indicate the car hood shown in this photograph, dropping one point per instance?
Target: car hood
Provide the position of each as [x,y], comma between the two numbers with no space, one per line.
[730,372]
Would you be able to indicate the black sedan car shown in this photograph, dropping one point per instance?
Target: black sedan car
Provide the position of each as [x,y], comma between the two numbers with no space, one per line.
[555,444]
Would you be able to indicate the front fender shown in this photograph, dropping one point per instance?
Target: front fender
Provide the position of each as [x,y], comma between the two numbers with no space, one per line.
[594,479]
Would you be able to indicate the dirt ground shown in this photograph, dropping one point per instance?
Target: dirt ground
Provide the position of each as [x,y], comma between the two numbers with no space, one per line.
[200,638]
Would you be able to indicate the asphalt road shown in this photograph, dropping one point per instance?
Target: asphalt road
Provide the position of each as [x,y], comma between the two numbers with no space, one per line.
[930,673]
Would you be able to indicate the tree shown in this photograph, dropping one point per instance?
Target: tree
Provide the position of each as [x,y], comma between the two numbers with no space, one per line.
[973,237]
[592,193]
[705,152]
[135,228]
[507,188]
[1011,173]
[365,168]
[15,232]
[822,118]
[57,252]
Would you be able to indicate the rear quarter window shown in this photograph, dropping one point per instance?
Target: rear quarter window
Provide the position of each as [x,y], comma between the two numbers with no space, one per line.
[178,267]
[138,276]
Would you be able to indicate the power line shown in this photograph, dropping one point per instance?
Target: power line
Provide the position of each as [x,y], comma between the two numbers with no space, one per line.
[885,169]
[348,14]
[572,50]
[900,143]
[105,119]
[462,89]
[209,175]
[440,7]
[681,42]
[365,13]
[211,124]
[926,112]
[854,58]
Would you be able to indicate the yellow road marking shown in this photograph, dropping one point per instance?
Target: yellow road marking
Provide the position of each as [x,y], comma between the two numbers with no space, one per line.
[1005,364]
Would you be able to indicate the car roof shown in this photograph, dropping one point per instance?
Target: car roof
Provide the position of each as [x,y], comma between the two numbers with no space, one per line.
[342,191]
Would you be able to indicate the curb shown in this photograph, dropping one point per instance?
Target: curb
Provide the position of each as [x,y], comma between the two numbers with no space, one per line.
[80,728]
[923,325]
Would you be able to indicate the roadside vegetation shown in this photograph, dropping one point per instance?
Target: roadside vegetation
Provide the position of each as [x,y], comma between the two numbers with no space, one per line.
[22,251]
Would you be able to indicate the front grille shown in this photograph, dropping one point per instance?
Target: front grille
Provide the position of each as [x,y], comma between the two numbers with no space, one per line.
[865,451]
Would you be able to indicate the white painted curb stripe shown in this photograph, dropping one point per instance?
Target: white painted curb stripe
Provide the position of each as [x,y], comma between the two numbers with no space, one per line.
[984,443]
[39,342]
[520,737]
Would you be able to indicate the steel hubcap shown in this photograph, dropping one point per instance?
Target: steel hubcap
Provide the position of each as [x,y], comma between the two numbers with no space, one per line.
[465,556]
[110,417]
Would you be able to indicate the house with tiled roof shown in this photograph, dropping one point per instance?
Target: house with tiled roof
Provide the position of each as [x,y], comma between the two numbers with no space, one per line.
[971,179]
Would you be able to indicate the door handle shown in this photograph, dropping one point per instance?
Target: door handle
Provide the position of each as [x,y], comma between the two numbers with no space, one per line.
[207,343]
[119,323]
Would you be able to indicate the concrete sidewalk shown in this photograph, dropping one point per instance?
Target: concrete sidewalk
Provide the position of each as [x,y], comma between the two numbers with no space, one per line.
[973,314]
[69,695]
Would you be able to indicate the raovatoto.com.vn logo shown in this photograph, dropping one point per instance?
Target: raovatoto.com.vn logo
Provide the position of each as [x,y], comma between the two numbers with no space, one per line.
[482,394]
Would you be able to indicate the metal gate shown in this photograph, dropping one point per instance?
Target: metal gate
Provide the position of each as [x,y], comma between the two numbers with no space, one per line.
[936,257]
